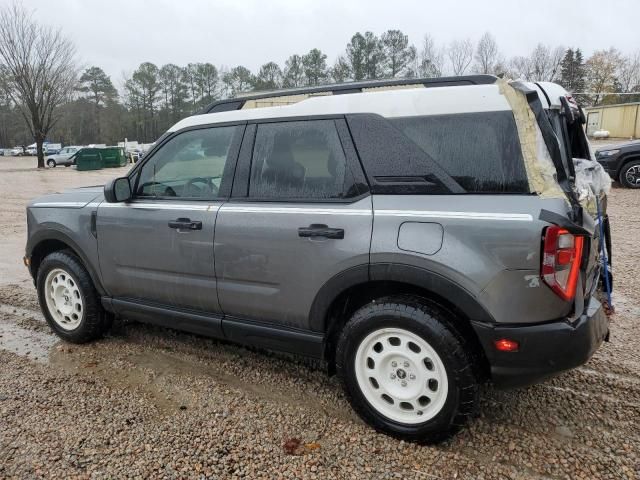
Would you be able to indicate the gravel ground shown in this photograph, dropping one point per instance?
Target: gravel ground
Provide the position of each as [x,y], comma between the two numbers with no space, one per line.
[153,403]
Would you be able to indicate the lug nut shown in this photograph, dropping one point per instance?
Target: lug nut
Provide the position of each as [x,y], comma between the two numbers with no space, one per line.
[406,364]
[412,377]
[403,383]
[394,364]
[393,376]
[419,412]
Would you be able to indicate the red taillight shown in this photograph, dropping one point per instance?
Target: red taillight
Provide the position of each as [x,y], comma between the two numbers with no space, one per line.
[561,261]
[506,345]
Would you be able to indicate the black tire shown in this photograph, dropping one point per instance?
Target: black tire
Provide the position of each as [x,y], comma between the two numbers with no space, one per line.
[51,163]
[94,320]
[634,166]
[431,323]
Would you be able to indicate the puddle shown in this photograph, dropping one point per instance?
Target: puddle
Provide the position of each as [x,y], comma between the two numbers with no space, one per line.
[28,343]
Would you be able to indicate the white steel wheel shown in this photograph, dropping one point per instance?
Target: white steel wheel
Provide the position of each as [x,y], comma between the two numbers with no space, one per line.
[64,299]
[401,375]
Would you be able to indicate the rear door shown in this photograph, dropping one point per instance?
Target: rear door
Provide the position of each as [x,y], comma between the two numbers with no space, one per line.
[300,214]
[158,247]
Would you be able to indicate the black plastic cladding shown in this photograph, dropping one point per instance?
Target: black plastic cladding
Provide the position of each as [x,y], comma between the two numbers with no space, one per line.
[345,88]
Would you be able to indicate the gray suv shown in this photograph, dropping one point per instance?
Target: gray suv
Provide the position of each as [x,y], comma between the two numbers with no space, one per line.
[420,236]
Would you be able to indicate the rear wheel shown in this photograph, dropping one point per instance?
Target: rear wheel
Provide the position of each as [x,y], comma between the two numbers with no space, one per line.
[51,163]
[630,174]
[68,299]
[405,369]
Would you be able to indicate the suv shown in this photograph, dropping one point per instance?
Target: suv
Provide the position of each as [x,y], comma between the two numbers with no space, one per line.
[64,157]
[622,162]
[419,240]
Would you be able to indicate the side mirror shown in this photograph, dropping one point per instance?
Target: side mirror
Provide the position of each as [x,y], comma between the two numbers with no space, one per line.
[117,190]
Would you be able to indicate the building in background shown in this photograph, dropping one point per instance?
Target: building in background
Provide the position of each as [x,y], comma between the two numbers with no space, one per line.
[620,120]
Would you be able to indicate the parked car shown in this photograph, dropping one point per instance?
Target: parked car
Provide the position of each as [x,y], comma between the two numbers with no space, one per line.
[622,162]
[17,151]
[412,238]
[64,157]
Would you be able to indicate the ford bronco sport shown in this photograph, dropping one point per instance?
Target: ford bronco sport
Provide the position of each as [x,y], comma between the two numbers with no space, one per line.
[420,236]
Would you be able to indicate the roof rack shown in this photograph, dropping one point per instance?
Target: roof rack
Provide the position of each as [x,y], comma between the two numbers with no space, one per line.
[236,103]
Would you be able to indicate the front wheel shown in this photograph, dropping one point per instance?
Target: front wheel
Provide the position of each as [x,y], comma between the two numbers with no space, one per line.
[405,370]
[630,174]
[68,299]
[51,163]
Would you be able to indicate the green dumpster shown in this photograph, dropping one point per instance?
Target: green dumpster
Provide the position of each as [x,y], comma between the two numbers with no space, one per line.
[89,159]
[113,157]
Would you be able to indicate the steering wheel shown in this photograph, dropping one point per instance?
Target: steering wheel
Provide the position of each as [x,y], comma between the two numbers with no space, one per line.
[209,189]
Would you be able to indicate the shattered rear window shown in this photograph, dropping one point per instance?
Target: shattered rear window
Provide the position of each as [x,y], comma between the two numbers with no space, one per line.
[481,151]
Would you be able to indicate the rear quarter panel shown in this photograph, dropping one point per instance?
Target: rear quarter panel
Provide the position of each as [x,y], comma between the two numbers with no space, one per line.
[491,247]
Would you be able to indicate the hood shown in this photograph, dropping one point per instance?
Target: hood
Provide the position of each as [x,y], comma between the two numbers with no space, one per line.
[72,198]
[618,146]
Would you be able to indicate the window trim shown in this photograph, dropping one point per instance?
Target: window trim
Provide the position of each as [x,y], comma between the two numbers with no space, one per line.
[224,191]
[241,181]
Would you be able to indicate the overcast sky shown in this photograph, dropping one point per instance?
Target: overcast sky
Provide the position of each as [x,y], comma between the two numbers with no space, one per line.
[118,35]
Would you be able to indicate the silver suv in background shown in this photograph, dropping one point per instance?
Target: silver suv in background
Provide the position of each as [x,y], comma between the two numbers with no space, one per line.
[63,157]
[419,236]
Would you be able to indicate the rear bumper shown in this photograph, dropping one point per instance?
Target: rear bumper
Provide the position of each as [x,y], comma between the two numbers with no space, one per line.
[545,349]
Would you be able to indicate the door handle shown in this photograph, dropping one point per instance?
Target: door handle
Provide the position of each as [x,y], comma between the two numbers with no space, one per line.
[321,230]
[185,224]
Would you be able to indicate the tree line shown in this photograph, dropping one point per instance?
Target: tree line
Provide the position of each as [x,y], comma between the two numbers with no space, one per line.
[90,109]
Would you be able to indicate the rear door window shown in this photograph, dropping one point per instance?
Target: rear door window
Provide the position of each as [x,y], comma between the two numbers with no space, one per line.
[480,151]
[299,160]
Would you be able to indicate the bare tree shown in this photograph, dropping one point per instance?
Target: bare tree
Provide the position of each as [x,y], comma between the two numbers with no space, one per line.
[41,70]
[487,54]
[545,63]
[520,68]
[629,72]
[460,53]
[431,59]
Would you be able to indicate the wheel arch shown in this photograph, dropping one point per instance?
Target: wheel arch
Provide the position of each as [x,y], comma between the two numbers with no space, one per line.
[48,241]
[630,157]
[346,292]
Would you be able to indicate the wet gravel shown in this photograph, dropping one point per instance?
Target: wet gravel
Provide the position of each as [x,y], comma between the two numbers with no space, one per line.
[153,403]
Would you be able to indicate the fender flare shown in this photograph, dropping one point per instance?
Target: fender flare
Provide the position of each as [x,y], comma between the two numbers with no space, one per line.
[435,283]
[56,234]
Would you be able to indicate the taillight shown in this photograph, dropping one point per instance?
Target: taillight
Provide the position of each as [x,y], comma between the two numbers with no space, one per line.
[561,261]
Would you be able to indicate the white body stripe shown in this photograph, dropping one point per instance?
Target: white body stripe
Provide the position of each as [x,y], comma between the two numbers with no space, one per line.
[520,217]
[517,217]
[59,204]
[306,210]
[164,206]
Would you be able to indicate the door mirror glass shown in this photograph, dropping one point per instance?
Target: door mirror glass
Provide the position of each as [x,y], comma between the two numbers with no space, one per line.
[117,190]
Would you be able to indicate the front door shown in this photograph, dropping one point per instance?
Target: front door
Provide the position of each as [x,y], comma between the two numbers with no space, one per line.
[304,216]
[158,247]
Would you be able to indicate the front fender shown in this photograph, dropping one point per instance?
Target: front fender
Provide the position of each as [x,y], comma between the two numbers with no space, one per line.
[81,241]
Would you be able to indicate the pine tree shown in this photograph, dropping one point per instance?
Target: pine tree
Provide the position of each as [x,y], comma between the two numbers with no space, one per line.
[572,75]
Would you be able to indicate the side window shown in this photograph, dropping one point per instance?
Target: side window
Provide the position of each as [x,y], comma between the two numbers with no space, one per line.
[480,151]
[299,160]
[190,165]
